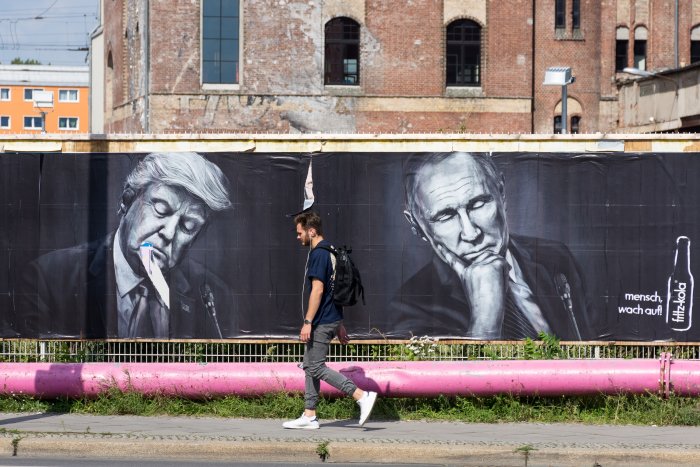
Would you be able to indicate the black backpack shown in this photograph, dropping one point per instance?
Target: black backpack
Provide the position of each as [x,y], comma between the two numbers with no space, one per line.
[347,286]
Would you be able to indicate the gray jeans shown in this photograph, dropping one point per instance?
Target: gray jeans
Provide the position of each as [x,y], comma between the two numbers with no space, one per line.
[315,365]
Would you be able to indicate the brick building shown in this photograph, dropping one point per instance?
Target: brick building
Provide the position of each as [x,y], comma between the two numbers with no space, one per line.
[374,66]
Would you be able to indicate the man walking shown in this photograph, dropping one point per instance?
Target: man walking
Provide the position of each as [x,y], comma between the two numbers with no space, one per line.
[322,322]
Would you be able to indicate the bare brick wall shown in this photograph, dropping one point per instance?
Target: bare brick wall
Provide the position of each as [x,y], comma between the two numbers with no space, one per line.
[409,60]
[125,39]
[283,47]
[661,35]
[661,42]
[684,27]
[175,46]
[508,54]
[113,32]
[443,122]
[608,37]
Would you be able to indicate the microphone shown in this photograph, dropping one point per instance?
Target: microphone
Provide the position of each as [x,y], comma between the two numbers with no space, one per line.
[208,300]
[564,290]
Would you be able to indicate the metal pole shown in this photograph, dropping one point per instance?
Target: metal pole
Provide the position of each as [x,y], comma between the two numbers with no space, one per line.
[675,41]
[563,109]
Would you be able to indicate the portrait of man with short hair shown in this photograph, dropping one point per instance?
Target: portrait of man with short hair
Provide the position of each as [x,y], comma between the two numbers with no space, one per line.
[104,289]
[484,281]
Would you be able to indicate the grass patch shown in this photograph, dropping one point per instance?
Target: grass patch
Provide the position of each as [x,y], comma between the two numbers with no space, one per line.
[620,409]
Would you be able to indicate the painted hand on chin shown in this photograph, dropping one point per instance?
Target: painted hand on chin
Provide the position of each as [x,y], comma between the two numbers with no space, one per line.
[484,282]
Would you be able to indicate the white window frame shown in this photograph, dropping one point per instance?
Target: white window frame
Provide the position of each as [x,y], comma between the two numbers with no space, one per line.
[9,122]
[33,117]
[221,86]
[9,94]
[68,128]
[68,92]
[31,98]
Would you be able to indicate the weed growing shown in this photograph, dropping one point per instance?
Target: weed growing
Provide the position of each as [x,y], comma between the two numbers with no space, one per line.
[322,451]
[616,409]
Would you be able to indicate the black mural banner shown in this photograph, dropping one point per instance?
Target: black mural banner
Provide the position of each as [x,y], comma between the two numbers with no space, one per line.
[500,246]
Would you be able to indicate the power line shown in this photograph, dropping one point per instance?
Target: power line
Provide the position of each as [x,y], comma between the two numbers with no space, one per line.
[50,24]
[79,6]
[44,47]
[81,34]
[49,18]
[40,14]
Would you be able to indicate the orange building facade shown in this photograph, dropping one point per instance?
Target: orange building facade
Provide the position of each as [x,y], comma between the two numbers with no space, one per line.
[25,109]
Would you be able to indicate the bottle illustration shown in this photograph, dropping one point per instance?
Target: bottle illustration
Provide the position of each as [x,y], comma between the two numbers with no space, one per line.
[679,301]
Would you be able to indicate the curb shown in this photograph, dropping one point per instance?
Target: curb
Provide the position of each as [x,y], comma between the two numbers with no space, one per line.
[127,446]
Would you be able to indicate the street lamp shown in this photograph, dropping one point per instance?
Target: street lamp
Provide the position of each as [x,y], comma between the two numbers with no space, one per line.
[650,74]
[560,76]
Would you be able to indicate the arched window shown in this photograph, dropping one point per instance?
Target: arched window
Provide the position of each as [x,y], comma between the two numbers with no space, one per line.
[574,111]
[342,58]
[575,123]
[463,53]
[695,45]
[622,38]
[573,128]
[557,124]
[576,14]
[640,48]
[559,14]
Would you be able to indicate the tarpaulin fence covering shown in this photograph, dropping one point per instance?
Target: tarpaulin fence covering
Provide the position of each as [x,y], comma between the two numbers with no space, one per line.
[481,246]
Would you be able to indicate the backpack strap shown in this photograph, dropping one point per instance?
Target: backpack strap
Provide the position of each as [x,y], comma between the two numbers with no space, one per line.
[328,248]
[334,255]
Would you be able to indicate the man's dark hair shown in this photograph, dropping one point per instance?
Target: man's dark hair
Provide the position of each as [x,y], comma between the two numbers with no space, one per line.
[309,220]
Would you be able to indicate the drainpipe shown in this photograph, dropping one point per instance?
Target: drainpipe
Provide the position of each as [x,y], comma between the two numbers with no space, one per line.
[532,92]
[675,42]
[389,379]
[147,68]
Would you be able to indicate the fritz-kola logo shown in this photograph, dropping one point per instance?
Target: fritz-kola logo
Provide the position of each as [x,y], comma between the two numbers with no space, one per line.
[678,294]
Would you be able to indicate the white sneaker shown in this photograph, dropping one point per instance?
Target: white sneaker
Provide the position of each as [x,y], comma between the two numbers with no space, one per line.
[302,423]
[366,404]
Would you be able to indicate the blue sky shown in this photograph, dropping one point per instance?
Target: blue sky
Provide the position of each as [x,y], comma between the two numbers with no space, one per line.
[47,30]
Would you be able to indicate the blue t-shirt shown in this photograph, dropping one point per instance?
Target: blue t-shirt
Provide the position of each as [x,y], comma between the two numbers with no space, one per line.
[320,267]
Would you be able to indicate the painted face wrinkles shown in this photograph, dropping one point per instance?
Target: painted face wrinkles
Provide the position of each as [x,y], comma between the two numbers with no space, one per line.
[167,217]
[460,210]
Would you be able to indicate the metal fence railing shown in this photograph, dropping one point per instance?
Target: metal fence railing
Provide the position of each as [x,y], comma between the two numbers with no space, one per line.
[86,351]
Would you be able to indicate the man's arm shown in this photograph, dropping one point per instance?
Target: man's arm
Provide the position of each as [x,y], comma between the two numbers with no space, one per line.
[343,334]
[314,303]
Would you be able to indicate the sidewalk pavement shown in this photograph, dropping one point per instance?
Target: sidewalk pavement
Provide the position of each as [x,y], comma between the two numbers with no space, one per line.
[435,443]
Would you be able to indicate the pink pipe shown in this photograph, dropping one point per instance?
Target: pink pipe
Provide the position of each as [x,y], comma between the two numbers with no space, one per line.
[390,379]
